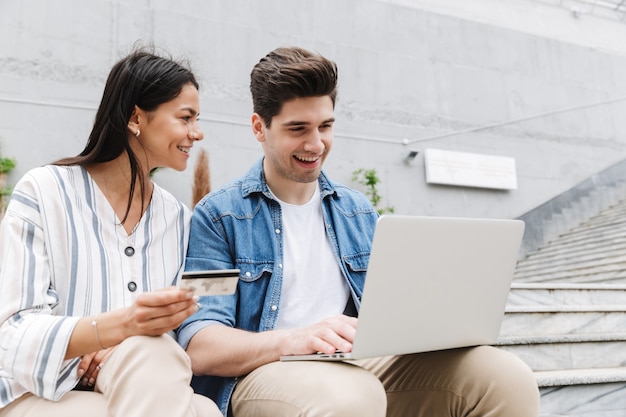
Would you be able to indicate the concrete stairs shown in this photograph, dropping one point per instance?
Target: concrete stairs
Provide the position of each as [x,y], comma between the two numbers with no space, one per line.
[592,196]
[574,337]
[566,318]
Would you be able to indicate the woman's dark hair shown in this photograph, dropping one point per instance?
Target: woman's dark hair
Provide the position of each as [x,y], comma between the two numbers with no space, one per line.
[144,79]
[288,73]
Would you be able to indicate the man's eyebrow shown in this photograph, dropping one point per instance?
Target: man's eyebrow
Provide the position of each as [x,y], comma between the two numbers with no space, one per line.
[295,123]
[303,123]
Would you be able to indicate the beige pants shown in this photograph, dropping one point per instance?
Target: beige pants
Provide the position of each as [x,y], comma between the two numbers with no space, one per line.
[144,376]
[471,382]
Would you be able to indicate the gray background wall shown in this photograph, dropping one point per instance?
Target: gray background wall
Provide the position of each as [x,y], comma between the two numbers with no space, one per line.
[518,78]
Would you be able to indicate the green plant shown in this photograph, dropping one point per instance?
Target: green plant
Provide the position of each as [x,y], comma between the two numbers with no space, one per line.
[369,178]
[6,166]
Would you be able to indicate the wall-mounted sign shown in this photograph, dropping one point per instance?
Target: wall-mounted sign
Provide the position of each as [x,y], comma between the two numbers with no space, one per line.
[470,169]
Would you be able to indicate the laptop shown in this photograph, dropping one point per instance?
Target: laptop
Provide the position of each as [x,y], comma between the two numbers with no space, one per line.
[433,283]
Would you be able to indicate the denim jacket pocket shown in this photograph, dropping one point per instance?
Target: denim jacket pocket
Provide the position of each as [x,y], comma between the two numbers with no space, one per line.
[357,262]
[251,271]
[356,268]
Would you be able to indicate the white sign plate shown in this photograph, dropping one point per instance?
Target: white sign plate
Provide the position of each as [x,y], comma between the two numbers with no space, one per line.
[469,169]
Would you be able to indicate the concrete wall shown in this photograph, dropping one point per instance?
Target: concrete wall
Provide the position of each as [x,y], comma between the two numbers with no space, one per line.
[517,78]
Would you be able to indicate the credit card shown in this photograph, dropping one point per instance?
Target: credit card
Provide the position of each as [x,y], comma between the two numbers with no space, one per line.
[213,282]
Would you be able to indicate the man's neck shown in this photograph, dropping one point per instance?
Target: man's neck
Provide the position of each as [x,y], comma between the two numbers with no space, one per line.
[291,192]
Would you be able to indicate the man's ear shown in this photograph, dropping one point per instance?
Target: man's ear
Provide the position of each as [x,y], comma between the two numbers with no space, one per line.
[133,122]
[258,127]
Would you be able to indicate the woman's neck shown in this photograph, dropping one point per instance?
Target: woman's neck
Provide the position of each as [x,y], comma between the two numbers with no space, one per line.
[114,180]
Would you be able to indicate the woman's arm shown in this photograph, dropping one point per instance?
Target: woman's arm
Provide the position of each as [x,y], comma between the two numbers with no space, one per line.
[152,314]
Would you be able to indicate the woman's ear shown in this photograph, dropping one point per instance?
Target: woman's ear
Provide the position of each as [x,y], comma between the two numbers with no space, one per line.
[133,122]
[258,127]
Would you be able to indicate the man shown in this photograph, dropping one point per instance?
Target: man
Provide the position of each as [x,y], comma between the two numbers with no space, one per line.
[302,243]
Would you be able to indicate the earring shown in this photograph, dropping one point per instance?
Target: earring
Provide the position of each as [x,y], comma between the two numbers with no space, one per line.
[138,133]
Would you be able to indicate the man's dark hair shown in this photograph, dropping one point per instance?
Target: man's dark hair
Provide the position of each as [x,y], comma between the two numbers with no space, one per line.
[288,73]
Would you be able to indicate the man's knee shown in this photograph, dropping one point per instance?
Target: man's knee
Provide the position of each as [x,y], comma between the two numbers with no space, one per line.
[310,389]
[505,376]
[358,394]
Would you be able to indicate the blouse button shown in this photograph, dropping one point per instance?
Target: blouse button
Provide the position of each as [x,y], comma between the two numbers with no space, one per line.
[132,287]
[129,251]
[274,308]
[248,274]
[277,231]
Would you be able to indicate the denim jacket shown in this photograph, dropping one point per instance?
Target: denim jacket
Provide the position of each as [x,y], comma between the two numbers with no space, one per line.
[239,226]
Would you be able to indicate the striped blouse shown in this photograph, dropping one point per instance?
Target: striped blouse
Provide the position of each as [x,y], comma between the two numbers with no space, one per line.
[64,255]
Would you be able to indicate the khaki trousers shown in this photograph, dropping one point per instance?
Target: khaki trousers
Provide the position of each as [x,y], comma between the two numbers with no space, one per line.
[470,382]
[144,376]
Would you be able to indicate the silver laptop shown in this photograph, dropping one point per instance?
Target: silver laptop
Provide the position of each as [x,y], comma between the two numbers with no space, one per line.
[433,283]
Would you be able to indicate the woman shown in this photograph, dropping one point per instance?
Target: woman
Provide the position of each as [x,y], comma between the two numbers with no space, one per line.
[90,251]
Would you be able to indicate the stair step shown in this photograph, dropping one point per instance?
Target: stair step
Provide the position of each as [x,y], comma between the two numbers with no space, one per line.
[586,260]
[566,294]
[542,309]
[561,338]
[600,273]
[567,352]
[558,308]
[574,252]
[583,392]
[605,277]
[559,378]
[577,320]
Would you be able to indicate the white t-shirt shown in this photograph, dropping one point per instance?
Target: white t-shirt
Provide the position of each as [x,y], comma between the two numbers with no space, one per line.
[313,286]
